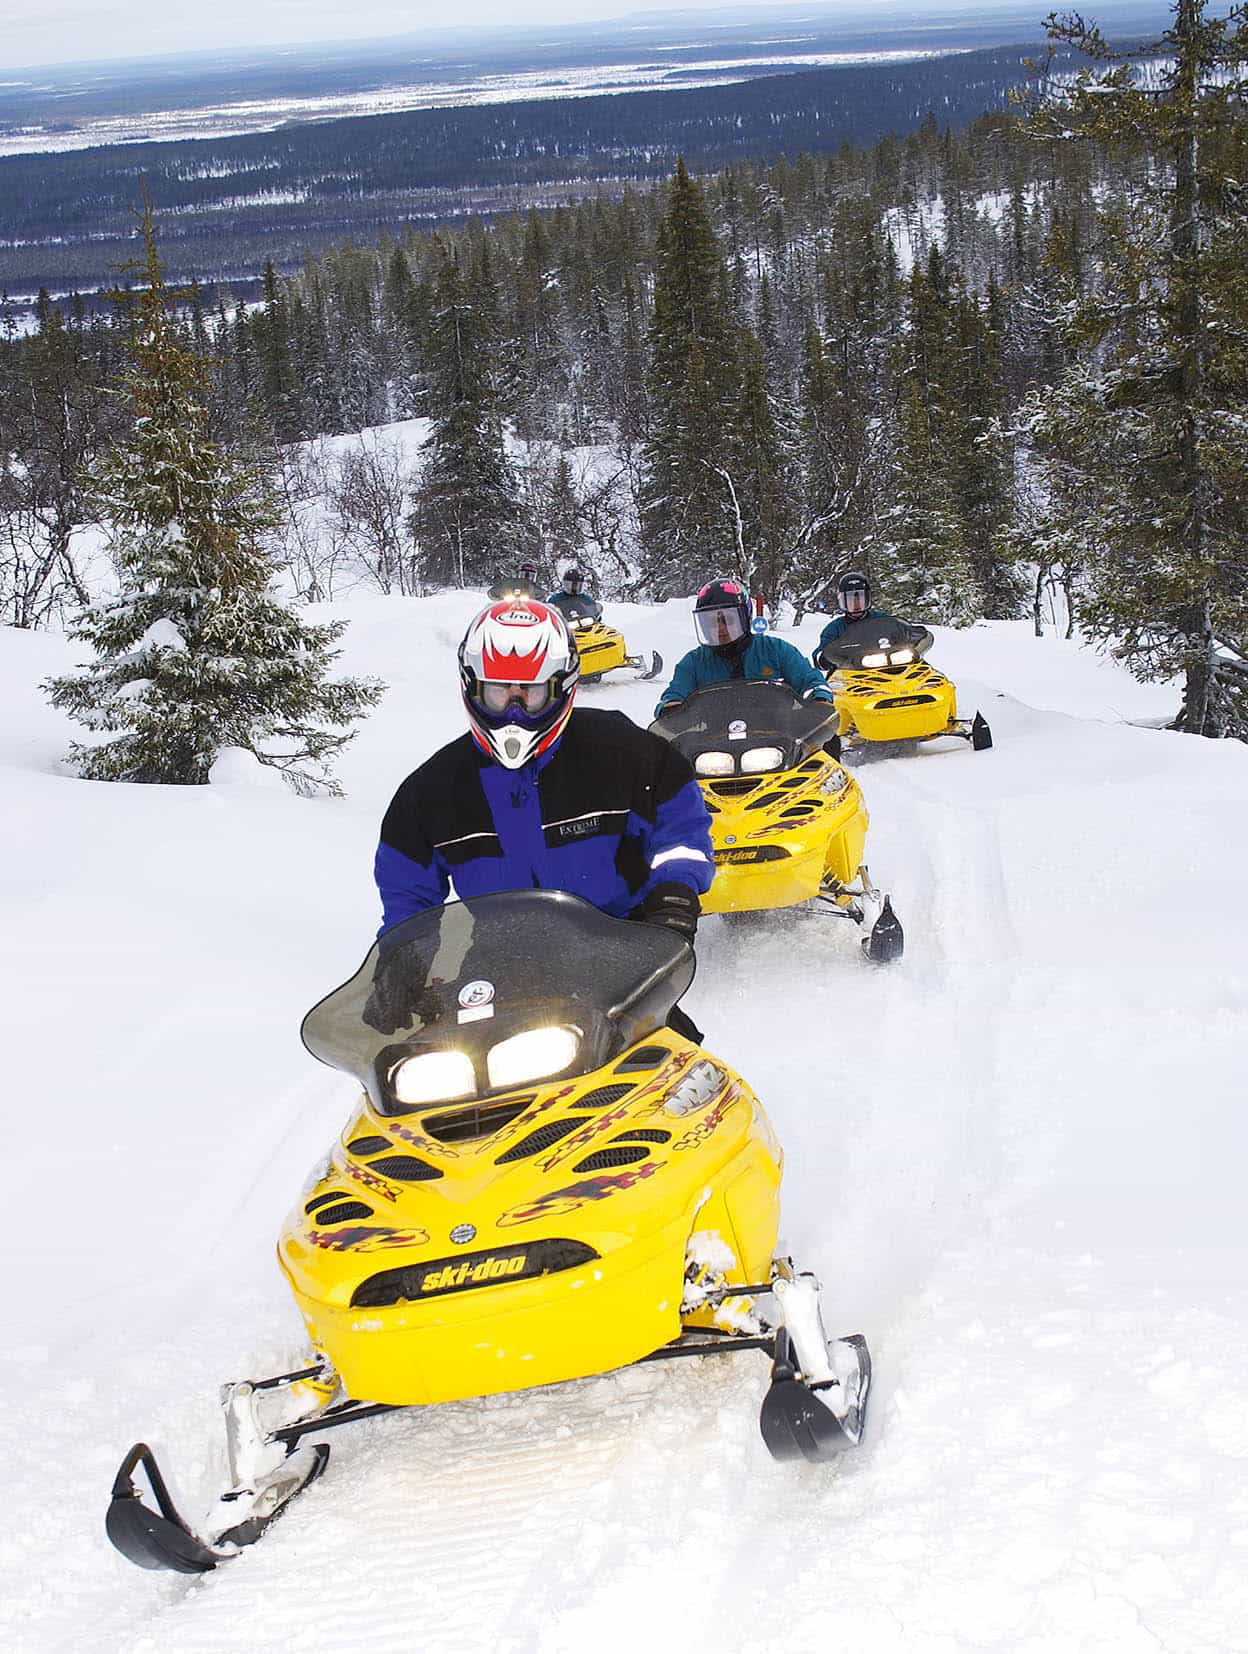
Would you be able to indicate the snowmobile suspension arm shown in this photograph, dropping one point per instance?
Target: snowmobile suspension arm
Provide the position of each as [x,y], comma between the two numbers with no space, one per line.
[349,1411]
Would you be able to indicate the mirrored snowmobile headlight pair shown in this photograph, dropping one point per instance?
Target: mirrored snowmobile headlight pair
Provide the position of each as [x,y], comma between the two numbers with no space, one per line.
[899,657]
[752,762]
[448,1076]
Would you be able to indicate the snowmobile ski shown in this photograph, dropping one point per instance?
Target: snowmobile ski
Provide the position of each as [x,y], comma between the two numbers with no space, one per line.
[795,1419]
[160,1538]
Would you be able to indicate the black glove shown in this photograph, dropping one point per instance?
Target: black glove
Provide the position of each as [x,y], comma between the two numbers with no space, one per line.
[673,905]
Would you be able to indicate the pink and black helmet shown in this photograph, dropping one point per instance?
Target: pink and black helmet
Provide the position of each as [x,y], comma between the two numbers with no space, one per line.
[721,615]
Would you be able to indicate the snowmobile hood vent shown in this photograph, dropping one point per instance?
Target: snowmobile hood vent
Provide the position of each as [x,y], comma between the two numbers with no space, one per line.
[462,1125]
[603,1096]
[538,1140]
[350,1211]
[605,1160]
[645,1057]
[469,1270]
[405,1168]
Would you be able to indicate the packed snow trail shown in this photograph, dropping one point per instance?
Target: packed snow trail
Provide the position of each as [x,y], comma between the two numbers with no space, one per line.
[1014,1157]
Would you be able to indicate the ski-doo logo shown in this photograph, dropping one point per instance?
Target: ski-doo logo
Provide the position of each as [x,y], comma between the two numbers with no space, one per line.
[455,1275]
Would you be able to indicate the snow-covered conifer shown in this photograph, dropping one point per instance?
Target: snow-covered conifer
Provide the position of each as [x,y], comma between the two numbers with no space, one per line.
[195,653]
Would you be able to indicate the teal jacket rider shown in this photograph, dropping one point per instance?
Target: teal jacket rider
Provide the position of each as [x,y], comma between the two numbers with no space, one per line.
[764,660]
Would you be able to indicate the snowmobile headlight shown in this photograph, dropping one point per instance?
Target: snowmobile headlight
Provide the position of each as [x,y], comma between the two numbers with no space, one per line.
[534,1055]
[697,1088]
[713,763]
[434,1077]
[875,660]
[901,657]
[761,758]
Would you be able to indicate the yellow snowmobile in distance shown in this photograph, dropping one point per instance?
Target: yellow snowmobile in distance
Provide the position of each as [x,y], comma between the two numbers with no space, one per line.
[601,647]
[788,821]
[886,691]
[540,1181]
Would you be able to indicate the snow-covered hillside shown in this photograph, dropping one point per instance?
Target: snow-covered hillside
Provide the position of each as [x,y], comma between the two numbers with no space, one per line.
[1016,1158]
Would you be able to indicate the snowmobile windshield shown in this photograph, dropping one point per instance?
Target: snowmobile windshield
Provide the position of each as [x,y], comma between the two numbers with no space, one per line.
[494,993]
[579,610]
[740,728]
[874,640]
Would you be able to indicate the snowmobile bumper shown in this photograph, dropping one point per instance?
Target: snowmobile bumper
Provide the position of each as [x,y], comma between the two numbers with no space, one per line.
[608,1312]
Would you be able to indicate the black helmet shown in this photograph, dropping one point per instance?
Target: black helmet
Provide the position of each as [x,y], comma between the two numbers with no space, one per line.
[855,594]
[573,582]
[721,615]
[528,572]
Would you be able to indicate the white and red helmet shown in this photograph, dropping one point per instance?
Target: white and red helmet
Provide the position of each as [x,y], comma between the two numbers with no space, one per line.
[519,668]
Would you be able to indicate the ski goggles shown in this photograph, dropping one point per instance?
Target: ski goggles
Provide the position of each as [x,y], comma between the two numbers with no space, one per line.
[718,626]
[529,697]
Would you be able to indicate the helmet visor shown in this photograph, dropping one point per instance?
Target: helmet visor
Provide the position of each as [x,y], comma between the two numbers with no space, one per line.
[528,697]
[717,627]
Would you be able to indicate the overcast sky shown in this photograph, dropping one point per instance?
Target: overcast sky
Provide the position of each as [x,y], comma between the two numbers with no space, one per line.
[63,31]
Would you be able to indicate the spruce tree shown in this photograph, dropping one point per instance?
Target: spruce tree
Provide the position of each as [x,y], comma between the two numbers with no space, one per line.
[195,653]
[467,521]
[689,520]
[1152,415]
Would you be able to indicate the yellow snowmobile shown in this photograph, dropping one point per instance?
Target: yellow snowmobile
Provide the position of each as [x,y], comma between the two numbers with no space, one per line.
[601,647]
[788,821]
[886,691]
[540,1181]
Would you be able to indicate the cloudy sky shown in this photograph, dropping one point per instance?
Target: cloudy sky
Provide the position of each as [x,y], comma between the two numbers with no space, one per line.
[61,31]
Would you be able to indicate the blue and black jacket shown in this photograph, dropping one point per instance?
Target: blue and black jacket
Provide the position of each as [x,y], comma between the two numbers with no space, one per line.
[611,812]
[763,660]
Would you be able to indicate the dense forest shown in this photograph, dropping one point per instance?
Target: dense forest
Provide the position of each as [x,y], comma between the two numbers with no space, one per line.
[228,205]
[1002,370]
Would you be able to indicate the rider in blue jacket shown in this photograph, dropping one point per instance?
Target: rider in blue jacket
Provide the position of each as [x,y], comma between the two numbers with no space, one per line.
[854,591]
[535,796]
[727,649]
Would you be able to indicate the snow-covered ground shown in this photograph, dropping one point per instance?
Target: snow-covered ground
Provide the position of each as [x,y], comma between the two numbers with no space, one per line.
[1016,1158]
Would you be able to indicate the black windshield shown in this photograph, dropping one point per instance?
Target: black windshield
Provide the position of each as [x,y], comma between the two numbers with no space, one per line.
[467,976]
[739,717]
[577,610]
[876,634]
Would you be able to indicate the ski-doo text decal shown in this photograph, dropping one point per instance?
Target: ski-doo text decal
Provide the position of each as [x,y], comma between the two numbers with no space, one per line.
[413,1282]
[572,1195]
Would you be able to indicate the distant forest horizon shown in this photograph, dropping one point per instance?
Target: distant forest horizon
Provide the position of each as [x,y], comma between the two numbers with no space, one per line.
[229,206]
